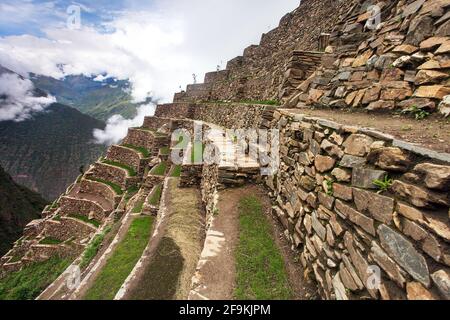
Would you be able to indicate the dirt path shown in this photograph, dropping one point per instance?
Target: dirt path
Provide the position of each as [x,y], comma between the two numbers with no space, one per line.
[169,262]
[215,278]
[216,271]
[432,133]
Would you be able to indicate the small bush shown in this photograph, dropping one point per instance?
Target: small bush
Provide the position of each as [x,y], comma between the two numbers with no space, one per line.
[383,185]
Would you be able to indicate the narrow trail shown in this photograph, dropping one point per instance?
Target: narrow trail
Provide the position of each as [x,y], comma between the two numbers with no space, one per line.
[215,278]
[170,260]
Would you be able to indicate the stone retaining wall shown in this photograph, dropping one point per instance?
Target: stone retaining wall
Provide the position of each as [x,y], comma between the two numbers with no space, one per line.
[82,207]
[127,156]
[109,173]
[155,123]
[191,175]
[93,187]
[175,110]
[343,225]
[139,138]
[68,228]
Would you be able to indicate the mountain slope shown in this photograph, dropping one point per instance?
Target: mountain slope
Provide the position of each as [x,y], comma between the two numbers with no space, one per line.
[18,206]
[45,153]
[99,99]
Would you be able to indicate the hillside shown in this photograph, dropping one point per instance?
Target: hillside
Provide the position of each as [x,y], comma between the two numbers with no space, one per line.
[99,99]
[45,153]
[18,206]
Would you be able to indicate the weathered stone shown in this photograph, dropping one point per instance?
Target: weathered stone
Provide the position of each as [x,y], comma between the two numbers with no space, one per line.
[430,77]
[318,227]
[339,289]
[307,222]
[444,48]
[409,212]
[379,207]
[360,263]
[436,91]
[395,94]
[442,280]
[402,62]
[326,200]
[347,279]
[420,28]
[436,176]
[371,94]
[364,178]
[342,192]
[342,175]
[330,236]
[366,223]
[381,105]
[332,149]
[404,253]
[324,163]
[416,291]
[419,103]
[417,196]
[405,49]
[389,266]
[432,43]
[444,106]
[362,59]
[349,161]
[358,145]
[307,183]
[393,159]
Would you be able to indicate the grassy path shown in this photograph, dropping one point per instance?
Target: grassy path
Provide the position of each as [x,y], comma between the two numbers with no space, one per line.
[260,267]
[123,260]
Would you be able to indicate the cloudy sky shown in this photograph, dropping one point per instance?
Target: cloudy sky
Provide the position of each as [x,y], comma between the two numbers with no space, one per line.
[157,44]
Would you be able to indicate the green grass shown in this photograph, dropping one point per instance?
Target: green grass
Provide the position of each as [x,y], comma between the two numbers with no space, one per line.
[156,196]
[130,170]
[143,151]
[159,170]
[117,189]
[131,191]
[138,207]
[156,133]
[261,273]
[197,152]
[80,217]
[164,151]
[28,283]
[50,241]
[176,171]
[93,248]
[123,260]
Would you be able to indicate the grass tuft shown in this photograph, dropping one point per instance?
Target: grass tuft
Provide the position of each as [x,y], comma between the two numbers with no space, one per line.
[50,241]
[176,171]
[143,151]
[29,282]
[261,274]
[123,260]
[156,196]
[130,170]
[117,189]
[159,170]
[80,217]
[93,248]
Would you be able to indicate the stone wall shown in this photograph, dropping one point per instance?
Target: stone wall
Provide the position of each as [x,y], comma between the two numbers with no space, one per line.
[155,123]
[403,64]
[127,156]
[259,73]
[109,173]
[68,228]
[97,188]
[342,223]
[175,110]
[191,175]
[82,207]
[139,138]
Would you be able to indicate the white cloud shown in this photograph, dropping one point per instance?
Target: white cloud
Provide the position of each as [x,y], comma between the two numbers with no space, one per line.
[158,49]
[117,127]
[17,102]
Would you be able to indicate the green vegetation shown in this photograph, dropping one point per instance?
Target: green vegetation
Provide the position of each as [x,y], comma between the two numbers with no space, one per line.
[93,248]
[164,151]
[197,152]
[261,274]
[155,133]
[131,192]
[117,189]
[330,190]
[159,170]
[138,206]
[176,171]
[383,185]
[29,282]
[123,260]
[418,113]
[50,241]
[80,217]
[130,170]
[156,196]
[143,151]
